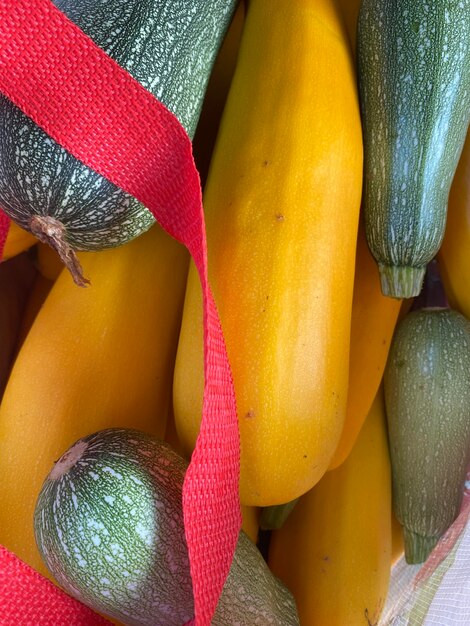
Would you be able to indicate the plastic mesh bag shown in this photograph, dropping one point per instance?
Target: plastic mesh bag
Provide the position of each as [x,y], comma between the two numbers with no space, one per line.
[436,593]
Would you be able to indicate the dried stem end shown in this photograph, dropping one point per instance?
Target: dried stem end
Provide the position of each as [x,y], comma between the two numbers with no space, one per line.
[49,230]
[68,460]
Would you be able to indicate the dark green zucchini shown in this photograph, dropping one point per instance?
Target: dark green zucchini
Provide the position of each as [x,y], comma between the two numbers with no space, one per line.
[109,525]
[427,394]
[169,46]
[414,79]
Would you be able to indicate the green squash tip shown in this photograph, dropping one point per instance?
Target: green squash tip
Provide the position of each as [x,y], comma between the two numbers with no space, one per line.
[273,517]
[401,281]
[418,547]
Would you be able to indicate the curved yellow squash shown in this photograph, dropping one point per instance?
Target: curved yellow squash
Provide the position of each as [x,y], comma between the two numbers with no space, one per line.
[282,203]
[94,358]
[454,255]
[334,552]
[373,321]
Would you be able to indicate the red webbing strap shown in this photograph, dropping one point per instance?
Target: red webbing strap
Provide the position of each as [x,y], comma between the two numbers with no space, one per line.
[105,118]
[4,227]
[34,601]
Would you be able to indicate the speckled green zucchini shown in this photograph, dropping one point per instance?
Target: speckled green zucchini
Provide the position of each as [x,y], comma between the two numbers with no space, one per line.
[427,394]
[169,46]
[109,525]
[414,78]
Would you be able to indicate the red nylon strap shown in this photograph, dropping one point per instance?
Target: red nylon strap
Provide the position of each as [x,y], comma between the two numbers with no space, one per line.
[35,601]
[4,227]
[105,118]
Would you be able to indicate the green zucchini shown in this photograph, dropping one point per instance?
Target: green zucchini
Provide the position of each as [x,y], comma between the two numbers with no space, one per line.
[109,525]
[169,46]
[414,80]
[427,395]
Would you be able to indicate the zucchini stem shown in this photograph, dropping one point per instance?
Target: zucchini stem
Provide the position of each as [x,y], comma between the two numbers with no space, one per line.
[401,281]
[273,517]
[49,230]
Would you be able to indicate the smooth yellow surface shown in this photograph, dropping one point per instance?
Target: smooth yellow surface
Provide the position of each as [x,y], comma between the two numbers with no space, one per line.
[18,240]
[334,551]
[282,203]
[374,317]
[454,255]
[94,357]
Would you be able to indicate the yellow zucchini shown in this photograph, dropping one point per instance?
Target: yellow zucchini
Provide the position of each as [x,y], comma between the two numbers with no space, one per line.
[374,317]
[454,255]
[94,358]
[334,551]
[282,203]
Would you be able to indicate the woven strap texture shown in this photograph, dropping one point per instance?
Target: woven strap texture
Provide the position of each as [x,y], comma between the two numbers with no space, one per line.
[4,226]
[98,112]
[29,599]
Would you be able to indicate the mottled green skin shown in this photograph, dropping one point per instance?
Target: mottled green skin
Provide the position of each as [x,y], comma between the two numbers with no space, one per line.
[169,46]
[111,531]
[427,395]
[414,78]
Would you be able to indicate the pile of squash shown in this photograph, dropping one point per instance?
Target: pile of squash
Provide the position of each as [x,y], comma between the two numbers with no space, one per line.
[332,178]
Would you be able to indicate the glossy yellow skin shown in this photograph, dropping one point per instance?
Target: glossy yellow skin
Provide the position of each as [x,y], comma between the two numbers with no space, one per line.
[18,240]
[334,551]
[94,358]
[454,255]
[282,204]
[374,317]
